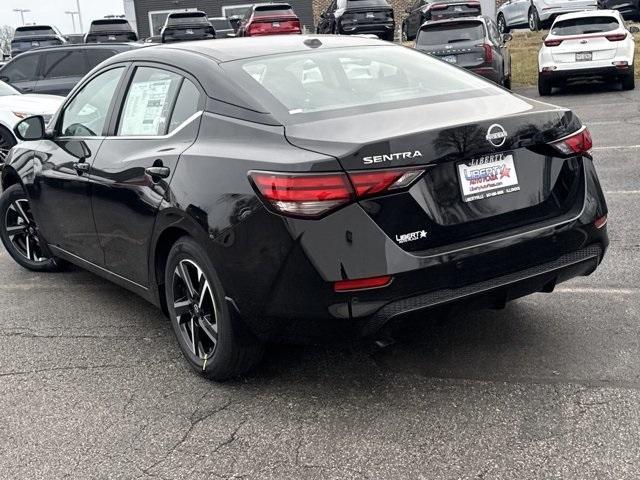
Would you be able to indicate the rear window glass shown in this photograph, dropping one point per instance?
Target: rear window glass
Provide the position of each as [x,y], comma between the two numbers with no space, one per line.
[451,33]
[585,25]
[186,18]
[271,11]
[370,78]
[236,12]
[366,3]
[26,31]
[110,26]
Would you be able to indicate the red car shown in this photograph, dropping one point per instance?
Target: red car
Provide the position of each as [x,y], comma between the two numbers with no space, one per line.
[269,19]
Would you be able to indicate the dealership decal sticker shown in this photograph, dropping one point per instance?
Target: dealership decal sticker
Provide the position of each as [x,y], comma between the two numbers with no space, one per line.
[488,176]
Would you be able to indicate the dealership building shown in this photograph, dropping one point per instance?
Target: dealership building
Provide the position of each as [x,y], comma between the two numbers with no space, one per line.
[148,16]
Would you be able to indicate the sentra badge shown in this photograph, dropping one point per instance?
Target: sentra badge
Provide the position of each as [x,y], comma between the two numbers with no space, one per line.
[391,156]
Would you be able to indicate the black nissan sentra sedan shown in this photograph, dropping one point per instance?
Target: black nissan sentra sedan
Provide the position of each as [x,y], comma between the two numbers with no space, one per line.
[301,187]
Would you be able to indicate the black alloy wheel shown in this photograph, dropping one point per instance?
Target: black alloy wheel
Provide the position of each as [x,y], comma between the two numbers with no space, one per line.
[20,234]
[195,309]
[534,20]
[502,25]
[212,340]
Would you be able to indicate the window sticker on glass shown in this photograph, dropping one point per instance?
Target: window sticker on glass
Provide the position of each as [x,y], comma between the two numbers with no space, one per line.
[145,107]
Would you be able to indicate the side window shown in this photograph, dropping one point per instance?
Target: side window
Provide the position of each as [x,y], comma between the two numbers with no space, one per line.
[149,102]
[98,55]
[65,63]
[186,105]
[22,69]
[86,114]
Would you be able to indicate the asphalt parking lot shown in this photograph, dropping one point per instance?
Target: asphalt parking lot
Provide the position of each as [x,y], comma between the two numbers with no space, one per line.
[92,384]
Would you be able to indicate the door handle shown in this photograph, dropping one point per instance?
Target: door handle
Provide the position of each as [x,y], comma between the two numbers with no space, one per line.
[158,172]
[26,89]
[81,167]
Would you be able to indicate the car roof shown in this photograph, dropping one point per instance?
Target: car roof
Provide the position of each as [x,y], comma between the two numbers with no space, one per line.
[229,49]
[118,46]
[587,14]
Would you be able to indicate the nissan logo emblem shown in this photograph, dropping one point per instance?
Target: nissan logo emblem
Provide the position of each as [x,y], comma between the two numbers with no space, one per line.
[496,135]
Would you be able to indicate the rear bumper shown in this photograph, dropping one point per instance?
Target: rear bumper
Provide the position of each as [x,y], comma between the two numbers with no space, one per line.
[372,29]
[495,291]
[489,73]
[587,73]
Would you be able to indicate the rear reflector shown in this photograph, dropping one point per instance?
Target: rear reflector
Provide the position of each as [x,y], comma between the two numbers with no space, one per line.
[600,222]
[622,65]
[579,142]
[362,283]
[616,37]
[314,194]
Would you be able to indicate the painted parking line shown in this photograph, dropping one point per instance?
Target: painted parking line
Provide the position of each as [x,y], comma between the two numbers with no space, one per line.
[618,147]
[604,290]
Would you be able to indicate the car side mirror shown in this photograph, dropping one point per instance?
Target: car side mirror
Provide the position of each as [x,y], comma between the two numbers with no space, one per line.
[634,29]
[30,129]
[507,37]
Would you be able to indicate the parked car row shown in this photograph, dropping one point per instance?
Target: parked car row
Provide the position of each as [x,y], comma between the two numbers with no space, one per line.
[105,30]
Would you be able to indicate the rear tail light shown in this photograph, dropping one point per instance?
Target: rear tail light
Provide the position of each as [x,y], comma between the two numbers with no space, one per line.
[579,142]
[473,5]
[616,37]
[362,283]
[622,65]
[488,53]
[315,194]
[552,43]
[439,6]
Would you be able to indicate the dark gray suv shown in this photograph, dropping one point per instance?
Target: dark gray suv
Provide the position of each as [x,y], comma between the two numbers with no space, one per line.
[471,43]
[56,70]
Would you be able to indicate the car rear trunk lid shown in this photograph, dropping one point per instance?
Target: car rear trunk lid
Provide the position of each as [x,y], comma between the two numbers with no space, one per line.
[520,182]
[577,49]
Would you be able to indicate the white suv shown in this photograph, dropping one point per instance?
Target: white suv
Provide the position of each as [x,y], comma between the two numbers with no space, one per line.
[587,45]
[537,14]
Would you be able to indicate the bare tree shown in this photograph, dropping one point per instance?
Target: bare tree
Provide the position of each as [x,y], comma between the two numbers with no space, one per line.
[6,34]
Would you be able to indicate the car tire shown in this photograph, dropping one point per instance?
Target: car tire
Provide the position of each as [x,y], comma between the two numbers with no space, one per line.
[544,85]
[506,83]
[20,234]
[502,25]
[7,142]
[629,80]
[213,343]
[533,19]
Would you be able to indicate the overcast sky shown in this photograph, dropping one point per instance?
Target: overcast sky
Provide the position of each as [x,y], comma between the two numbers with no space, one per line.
[52,12]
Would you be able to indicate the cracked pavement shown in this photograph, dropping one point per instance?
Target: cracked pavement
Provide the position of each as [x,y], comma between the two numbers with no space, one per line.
[92,384]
